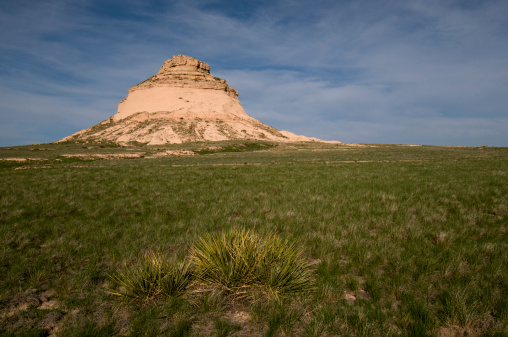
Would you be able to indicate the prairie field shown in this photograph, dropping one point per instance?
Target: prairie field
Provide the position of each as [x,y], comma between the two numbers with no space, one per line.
[399,240]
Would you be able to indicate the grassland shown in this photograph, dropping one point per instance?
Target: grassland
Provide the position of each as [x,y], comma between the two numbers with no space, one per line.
[408,241]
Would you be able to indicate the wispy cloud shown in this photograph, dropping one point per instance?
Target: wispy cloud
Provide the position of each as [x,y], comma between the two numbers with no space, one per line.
[432,72]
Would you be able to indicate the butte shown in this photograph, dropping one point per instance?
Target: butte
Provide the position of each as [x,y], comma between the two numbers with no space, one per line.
[182,103]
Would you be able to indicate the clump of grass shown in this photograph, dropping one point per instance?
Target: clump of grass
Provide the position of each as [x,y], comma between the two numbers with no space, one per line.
[238,260]
[151,277]
[228,259]
[282,268]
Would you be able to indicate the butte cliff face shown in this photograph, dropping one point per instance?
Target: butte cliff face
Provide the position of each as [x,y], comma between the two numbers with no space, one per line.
[183,102]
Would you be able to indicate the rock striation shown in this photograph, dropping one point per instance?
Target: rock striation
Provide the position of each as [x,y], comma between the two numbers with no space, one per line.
[183,102]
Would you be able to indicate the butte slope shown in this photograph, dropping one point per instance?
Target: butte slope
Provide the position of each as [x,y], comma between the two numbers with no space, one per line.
[182,103]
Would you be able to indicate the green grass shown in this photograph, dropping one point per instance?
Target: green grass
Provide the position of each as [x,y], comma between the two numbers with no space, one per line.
[150,278]
[240,147]
[404,240]
[237,260]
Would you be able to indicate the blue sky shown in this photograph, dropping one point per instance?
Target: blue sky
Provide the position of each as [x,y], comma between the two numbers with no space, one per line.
[366,71]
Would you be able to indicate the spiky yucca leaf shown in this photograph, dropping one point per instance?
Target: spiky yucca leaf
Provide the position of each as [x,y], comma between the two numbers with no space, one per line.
[238,259]
[152,276]
[282,269]
[227,259]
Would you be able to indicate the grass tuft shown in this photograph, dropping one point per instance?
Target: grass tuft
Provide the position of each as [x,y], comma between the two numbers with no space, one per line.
[282,268]
[237,260]
[151,277]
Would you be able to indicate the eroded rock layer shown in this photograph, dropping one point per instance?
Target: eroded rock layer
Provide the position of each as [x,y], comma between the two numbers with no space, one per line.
[183,102]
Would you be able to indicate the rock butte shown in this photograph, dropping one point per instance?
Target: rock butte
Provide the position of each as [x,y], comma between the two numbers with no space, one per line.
[182,103]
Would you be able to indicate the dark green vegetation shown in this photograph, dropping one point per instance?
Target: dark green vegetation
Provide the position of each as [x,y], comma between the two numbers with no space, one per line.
[408,241]
[234,264]
[238,147]
[238,261]
[150,278]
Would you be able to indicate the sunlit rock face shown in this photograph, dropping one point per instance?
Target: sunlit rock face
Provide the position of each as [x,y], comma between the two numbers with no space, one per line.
[183,102]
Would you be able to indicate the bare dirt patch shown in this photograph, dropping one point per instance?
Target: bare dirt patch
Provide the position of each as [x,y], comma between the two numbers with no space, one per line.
[23,301]
[172,153]
[104,155]
[22,160]
[32,309]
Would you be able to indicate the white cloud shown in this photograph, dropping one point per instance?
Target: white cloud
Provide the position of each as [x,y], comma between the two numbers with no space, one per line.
[355,71]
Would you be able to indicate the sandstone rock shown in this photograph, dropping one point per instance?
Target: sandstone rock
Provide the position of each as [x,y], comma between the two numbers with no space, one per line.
[183,102]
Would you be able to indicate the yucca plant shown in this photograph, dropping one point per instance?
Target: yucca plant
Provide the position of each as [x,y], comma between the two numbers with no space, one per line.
[282,269]
[227,260]
[238,259]
[151,277]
